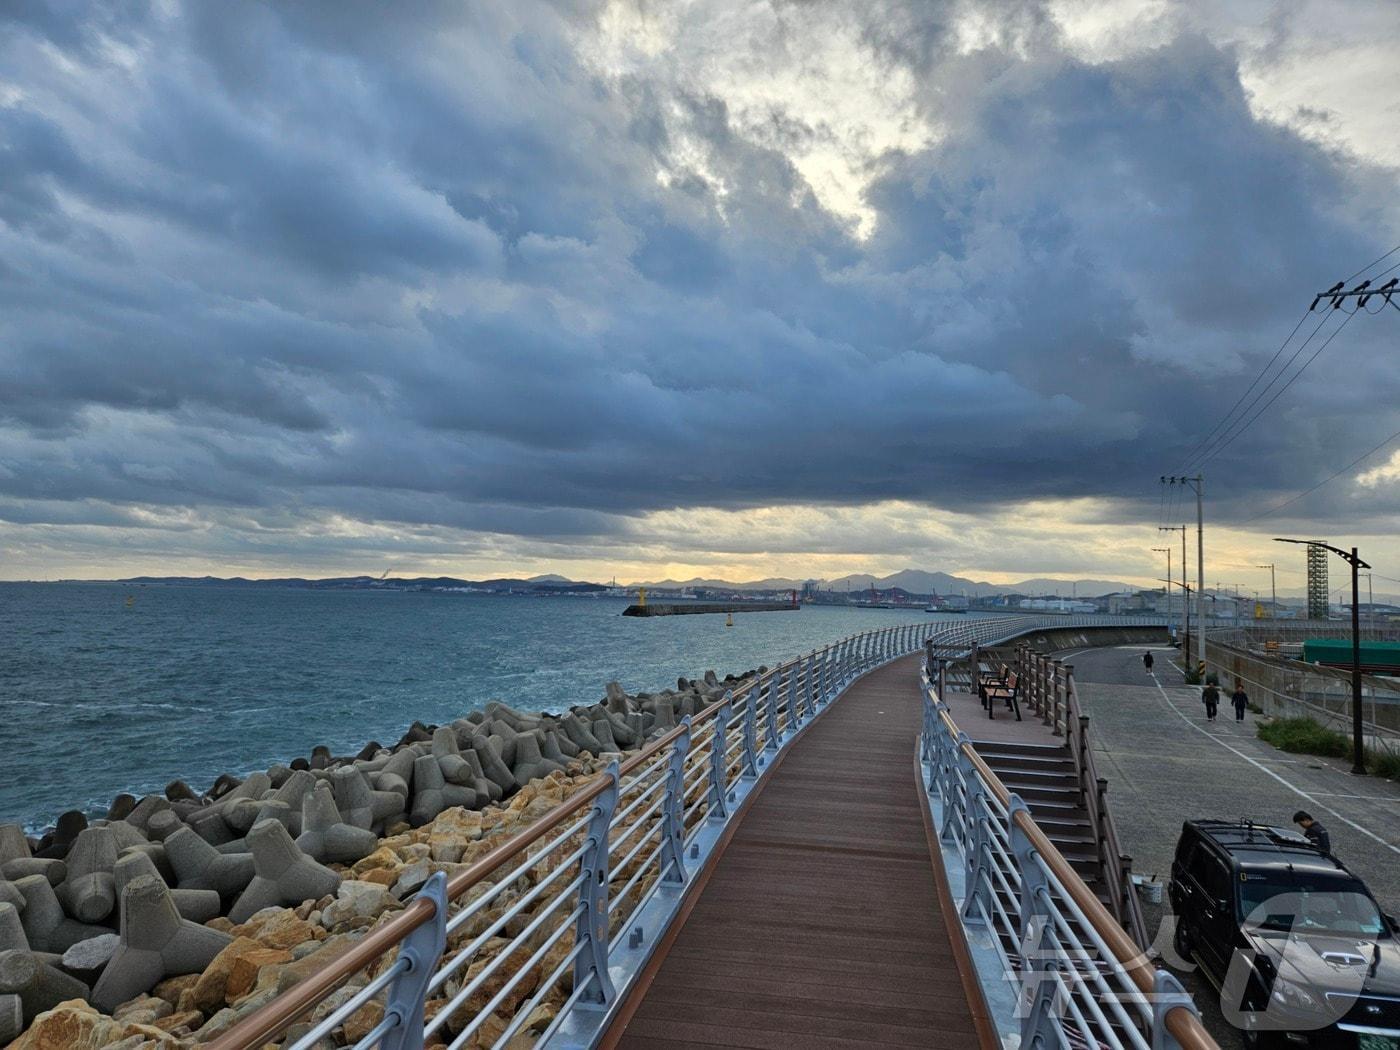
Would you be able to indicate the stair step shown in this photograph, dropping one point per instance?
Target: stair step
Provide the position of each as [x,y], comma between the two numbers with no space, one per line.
[1035,775]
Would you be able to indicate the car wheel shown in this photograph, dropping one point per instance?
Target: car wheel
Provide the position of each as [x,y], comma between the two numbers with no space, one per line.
[1257,1040]
[1181,941]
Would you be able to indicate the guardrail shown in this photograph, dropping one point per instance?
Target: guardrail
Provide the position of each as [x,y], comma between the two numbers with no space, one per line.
[1051,693]
[574,904]
[1082,980]
[546,932]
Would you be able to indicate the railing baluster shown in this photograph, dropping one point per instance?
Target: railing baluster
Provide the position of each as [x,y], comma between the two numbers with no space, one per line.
[673,812]
[775,689]
[719,787]
[423,948]
[750,767]
[591,980]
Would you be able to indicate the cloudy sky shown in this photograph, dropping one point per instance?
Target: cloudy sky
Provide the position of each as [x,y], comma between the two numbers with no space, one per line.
[731,287]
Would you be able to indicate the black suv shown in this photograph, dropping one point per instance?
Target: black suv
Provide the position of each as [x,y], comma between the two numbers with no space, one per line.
[1295,942]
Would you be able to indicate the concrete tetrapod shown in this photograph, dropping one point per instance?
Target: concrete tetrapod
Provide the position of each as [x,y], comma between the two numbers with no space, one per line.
[46,927]
[434,794]
[39,985]
[11,1018]
[360,805]
[199,866]
[16,861]
[284,874]
[10,894]
[529,762]
[155,944]
[581,734]
[327,838]
[89,893]
[195,905]
[602,730]
[493,769]
[487,790]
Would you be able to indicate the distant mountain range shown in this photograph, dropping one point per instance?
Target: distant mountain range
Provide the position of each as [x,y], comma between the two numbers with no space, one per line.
[548,584]
[913,581]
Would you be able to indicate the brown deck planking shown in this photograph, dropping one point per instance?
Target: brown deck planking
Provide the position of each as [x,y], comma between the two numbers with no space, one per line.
[820,925]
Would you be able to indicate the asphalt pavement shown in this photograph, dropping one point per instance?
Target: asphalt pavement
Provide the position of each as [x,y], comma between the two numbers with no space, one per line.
[1166,764]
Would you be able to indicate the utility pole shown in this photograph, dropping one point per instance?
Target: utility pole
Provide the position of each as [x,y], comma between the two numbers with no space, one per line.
[1358,754]
[1182,623]
[1198,484]
[1168,552]
[1273,591]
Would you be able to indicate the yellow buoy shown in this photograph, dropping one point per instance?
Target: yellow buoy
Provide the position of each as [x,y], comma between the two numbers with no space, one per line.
[130,600]
[729,620]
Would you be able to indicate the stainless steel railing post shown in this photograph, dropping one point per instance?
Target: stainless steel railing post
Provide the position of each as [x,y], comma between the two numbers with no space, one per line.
[591,980]
[750,765]
[422,948]
[719,786]
[673,812]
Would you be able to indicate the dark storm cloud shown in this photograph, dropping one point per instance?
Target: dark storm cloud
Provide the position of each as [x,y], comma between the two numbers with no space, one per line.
[426,266]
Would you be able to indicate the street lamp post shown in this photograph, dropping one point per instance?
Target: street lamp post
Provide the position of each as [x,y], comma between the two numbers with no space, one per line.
[1358,757]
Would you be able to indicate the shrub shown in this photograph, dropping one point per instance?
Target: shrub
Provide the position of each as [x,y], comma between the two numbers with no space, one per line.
[1303,736]
[1384,765]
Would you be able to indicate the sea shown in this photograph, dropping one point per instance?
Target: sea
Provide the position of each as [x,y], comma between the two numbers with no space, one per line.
[106,688]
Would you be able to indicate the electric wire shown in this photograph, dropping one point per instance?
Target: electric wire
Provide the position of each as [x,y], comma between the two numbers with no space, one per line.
[1230,438]
[1331,477]
[1363,269]
[1200,445]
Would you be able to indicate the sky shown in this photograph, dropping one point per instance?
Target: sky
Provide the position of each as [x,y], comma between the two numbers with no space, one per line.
[736,289]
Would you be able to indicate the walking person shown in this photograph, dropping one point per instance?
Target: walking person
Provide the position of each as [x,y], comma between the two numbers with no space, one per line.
[1147,662]
[1210,696]
[1240,699]
[1315,832]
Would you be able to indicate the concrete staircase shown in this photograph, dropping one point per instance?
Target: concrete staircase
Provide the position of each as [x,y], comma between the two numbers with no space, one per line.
[1044,777]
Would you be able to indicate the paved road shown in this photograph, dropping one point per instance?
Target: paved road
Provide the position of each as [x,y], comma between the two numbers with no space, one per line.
[1165,764]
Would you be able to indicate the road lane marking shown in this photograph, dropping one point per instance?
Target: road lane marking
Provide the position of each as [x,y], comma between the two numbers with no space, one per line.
[1265,769]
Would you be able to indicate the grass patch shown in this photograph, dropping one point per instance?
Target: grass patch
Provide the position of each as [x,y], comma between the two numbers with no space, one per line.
[1303,736]
[1387,766]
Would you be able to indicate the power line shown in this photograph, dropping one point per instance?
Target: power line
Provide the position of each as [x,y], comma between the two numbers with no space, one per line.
[1383,258]
[1212,446]
[1205,440]
[1229,440]
[1324,481]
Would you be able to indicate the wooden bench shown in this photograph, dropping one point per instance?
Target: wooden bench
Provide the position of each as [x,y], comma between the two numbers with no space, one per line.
[1000,687]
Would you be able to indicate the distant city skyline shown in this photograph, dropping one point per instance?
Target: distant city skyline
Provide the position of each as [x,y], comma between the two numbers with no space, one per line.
[693,290]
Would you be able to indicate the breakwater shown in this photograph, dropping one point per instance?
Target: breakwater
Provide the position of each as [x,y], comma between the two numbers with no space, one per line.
[698,608]
[178,913]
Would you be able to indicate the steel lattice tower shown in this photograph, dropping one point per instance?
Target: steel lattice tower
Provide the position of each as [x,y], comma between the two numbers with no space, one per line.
[1317,582]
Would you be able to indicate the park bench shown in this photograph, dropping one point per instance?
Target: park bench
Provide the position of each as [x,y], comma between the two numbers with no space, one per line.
[1002,686]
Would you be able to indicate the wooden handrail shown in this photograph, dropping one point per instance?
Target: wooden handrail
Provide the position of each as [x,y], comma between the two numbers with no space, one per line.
[1184,1025]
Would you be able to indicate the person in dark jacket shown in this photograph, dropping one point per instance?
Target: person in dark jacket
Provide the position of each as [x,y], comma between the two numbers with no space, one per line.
[1315,832]
[1240,699]
[1210,696]
[1147,662]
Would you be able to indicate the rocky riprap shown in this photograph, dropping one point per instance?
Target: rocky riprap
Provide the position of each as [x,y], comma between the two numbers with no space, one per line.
[176,915]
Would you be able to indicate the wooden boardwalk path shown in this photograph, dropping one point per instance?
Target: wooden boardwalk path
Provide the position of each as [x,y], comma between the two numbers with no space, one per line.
[820,926]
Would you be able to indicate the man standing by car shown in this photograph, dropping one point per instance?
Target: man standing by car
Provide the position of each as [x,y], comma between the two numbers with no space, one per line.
[1315,832]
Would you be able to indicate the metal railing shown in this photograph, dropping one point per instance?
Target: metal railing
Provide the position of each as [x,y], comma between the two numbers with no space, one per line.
[1081,979]
[570,907]
[1050,692]
[545,933]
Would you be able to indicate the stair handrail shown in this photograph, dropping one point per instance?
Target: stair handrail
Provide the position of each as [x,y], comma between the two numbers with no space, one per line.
[1004,848]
